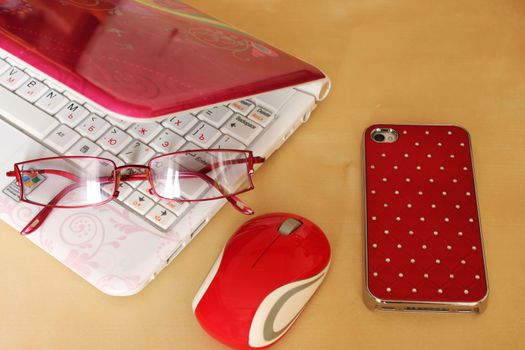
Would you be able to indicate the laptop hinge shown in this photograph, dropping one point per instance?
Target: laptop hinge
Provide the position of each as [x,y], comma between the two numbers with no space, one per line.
[319,89]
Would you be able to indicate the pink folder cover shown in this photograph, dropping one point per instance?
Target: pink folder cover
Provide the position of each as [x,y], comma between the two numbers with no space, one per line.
[144,58]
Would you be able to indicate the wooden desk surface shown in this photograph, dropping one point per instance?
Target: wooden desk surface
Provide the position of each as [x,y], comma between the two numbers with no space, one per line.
[407,61]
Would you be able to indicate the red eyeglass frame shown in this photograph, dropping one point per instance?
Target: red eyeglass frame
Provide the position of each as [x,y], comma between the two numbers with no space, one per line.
[117,177]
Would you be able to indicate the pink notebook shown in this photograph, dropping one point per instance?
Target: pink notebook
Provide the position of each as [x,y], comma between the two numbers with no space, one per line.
[145,58]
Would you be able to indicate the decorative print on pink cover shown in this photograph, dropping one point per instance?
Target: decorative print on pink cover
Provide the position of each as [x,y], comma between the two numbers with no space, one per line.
[116,261]
[423,232]
[144,58]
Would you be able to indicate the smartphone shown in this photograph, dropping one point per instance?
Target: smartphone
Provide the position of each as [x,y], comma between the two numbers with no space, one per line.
[424,249]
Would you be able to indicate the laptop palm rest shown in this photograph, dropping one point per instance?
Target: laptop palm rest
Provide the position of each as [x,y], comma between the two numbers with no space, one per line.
[17,147]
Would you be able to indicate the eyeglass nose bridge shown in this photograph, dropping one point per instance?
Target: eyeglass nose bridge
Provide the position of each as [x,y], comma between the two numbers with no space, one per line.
[133,176]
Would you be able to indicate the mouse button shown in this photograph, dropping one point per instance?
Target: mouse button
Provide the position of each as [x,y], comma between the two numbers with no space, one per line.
[302,254]
[317,248]
[243,255]
[283,259]
[249,243]
[289,226]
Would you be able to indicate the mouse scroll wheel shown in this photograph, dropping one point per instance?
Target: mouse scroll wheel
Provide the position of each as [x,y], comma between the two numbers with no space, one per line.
[289,226]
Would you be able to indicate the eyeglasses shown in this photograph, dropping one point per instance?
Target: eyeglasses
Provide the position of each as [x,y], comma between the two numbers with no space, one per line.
[82,181]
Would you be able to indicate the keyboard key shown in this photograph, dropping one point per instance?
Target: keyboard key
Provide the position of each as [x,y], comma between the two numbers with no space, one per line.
[228,142]
[216,116]
[74,96]
[193,188]
[84,147]
[114,140]
[203,135]
[16,62]
[139,202]
[95,110]
[167,142]
[144,187]
[242,129]
[32,90]
[25,115]
[175,207]
[117,160]
[274,99]
[121,123]
[72,114]
[193,160]
[181,124]
[262,116]
[13,78]
[124,191]
[4,66]
[145,132]
[188,146]
[133,171]
[161,217]
[137,153]
[52,102]
[62,138]
[55,85]
[242,107]
[93,127]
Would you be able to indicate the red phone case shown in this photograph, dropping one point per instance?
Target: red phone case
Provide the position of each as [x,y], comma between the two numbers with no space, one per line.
[423,237]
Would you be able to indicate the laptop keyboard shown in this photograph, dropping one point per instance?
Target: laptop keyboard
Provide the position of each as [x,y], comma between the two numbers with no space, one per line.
[63,122]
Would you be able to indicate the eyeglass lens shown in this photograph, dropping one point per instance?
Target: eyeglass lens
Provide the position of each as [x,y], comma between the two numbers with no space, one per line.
[68,182]
[200,175]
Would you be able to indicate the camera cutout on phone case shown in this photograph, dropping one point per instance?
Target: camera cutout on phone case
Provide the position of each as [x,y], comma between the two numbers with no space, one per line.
[384,135]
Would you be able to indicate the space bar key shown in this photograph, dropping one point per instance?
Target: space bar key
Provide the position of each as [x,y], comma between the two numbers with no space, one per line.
[24,115]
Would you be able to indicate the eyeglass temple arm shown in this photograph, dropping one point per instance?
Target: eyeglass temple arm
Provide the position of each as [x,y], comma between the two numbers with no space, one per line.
[255,160]
[62,173]
[238,204]
[73,177]
[235,201]
[41,216]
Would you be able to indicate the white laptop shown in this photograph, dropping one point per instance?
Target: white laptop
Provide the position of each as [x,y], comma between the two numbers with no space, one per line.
[152,73]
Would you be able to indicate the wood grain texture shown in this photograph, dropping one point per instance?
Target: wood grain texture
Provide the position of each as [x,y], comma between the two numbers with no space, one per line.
[407,61]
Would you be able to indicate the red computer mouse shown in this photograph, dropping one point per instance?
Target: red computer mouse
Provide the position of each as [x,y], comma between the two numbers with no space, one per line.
[263,278]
